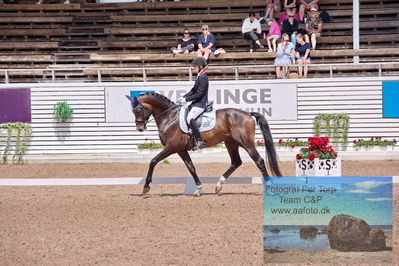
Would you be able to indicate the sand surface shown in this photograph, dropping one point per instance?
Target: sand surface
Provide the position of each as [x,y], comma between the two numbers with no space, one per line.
[117,225]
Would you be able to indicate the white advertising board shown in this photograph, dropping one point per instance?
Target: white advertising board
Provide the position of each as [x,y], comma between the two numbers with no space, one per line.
[274,101]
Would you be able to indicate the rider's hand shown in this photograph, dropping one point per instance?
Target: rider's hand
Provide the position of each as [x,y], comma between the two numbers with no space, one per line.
[182,100]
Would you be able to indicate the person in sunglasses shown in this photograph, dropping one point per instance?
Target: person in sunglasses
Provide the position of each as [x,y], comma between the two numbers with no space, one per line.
[285,55]
[290,27]
[185,44]
[206,43]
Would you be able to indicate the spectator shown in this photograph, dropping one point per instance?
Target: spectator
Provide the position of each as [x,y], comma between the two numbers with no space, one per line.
[290,27]
[302,51]
[271,7]
[206,43]
[185,45]
[290,6]
[251,31]
[314,26]
[306,5]
[284,16]
[273,35]
[285,55]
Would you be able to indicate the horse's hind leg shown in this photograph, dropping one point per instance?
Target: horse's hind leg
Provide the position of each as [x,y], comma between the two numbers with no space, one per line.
[260,163]
[191,168]
[232,148]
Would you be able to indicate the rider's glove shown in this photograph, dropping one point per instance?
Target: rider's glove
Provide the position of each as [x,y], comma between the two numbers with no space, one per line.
[182,100]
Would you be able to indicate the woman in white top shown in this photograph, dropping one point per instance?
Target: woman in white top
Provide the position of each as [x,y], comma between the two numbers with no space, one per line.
[285,55]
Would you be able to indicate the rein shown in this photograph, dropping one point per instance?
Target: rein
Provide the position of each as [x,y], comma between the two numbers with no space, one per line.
[153,117]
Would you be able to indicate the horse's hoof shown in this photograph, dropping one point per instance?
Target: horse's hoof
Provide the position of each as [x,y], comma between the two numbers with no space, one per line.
[218,189]
[219,184]
[198,191]
[146,190]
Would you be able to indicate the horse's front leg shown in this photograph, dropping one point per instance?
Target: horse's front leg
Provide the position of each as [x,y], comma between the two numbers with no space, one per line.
[190,166]
[160,156]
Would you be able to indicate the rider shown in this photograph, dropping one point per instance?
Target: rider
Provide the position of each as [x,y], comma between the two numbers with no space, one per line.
[198,96]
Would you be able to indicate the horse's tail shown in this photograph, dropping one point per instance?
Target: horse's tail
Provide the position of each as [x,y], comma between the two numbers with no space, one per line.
[270,150]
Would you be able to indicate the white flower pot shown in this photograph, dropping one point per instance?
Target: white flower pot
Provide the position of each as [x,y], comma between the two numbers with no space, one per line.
[317,167]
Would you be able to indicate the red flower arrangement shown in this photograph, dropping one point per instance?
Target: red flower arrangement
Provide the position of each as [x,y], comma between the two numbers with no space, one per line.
[260,142]
[318,148]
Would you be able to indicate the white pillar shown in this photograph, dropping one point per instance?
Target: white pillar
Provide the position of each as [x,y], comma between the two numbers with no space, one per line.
[356,20]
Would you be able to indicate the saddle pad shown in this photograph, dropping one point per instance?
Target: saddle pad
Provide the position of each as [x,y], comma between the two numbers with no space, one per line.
[208,120]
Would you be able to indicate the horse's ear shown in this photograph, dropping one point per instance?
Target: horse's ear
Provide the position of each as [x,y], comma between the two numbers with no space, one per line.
[130,98]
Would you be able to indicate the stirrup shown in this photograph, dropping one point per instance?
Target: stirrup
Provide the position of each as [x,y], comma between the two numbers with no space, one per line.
[200,144]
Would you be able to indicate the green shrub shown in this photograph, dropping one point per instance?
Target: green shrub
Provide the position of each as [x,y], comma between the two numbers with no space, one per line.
[62,112]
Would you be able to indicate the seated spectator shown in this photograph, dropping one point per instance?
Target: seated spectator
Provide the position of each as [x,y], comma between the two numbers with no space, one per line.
[302,51]
[273,35]
[206,43]
[271,7]
[306,5]
[284,15]
[285,56]
[314,26]
[252,31]
[185,45]
[290,6]
[290,27]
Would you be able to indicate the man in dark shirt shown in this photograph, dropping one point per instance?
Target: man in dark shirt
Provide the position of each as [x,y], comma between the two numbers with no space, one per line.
[290,26]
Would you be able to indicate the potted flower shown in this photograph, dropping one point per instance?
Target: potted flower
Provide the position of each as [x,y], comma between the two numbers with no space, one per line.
[319,159]
[283,145]
[149,146]
[290,144]
[374,143]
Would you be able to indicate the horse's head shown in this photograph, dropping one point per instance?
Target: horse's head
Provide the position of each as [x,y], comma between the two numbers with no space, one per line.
[141,113]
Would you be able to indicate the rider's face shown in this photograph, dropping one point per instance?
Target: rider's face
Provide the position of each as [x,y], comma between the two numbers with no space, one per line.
[196,69]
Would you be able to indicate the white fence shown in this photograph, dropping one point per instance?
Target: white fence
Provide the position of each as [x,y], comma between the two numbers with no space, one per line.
[89,133]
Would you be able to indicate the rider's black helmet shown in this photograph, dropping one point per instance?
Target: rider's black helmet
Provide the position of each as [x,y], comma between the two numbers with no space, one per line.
[199,61]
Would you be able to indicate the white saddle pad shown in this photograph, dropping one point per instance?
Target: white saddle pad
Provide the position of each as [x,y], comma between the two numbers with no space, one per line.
[208,120]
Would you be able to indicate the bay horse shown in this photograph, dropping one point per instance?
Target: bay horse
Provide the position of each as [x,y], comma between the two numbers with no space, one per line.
[233,126]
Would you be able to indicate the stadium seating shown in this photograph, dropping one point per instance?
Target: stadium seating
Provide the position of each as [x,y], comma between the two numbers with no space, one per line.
[82,35]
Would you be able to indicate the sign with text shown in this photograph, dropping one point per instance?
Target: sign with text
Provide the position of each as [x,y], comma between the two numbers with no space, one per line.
[274,101]
[326,215]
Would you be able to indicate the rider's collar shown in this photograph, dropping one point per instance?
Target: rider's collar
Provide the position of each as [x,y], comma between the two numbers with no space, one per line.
[201,72]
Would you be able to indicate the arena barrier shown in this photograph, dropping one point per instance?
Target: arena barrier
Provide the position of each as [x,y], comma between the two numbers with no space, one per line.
[102,123]
[188,189]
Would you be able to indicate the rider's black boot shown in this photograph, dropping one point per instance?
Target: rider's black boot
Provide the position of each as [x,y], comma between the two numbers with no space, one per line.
[197,135]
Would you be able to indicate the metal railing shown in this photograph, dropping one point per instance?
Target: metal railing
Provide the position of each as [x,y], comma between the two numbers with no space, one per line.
[236,68]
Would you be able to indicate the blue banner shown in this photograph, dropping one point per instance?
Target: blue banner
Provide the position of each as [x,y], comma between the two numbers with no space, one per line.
[137,93]
[390,96]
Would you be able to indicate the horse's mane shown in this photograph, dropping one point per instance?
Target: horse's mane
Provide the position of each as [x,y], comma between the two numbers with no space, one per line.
[160,96]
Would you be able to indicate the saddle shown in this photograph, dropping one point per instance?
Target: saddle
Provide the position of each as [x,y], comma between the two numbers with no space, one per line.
[205,121]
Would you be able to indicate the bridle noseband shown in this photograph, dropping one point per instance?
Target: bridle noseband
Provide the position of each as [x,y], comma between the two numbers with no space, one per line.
[139,121]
